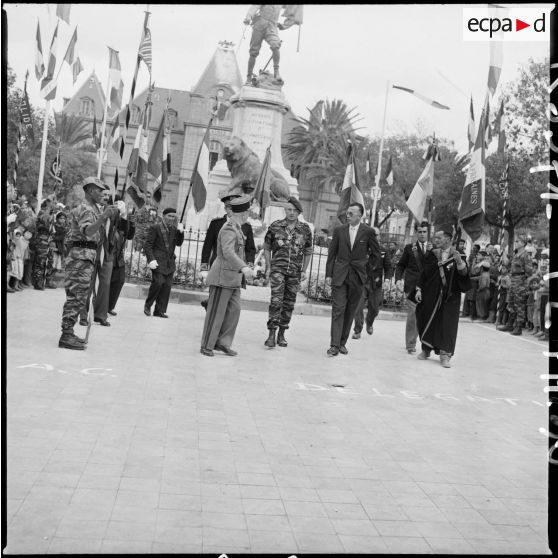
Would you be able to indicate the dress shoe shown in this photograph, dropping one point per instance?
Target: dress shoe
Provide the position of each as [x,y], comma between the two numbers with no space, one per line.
[207,352]
[370,330]
[18,287]
[204,304]
[9,289]
[228,352]
[445,361]
[38,288]
[281,341]
[333,351]
[147,310]
[160,315]
[516,330]
[83,323]
[68,341]
[423,355]
[112,313]
[356,335]
[411,351]
[270,341]
[102,321]
[343,350]
[51,286]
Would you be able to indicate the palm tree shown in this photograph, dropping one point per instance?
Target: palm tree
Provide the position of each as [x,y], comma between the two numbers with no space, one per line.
[319,146]
[71,129]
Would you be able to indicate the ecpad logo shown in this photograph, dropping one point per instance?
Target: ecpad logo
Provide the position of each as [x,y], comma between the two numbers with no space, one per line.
[494,24]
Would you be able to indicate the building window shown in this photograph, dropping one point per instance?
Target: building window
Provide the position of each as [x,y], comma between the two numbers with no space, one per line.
[86,106]
[214,153]
[220,94]
[172,115]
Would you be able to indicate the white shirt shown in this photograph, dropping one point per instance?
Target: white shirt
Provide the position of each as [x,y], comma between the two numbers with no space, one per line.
[422,247]
[352,234]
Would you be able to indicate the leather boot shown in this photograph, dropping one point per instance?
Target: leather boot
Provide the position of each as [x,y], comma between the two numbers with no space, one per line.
[69,341]
[509,325]
[516,330]
[270,341]
[281,341]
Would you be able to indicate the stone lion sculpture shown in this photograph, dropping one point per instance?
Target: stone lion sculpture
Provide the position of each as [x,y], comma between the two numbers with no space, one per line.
[245,168]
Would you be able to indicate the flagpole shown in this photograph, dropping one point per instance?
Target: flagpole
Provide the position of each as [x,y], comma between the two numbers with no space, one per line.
[379,169]
[104,125]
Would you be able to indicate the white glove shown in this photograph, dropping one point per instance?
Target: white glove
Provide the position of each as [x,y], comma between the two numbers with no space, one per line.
[153,264]
[180,227]
[248,272]
[11,218]
[203,275]
[121,207]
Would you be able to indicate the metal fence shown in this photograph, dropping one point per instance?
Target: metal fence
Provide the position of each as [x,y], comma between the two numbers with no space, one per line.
[188,273]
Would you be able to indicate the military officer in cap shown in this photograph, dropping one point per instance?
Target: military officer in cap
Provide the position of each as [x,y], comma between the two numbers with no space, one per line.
[287,252]
[227,274]
[209,249]
[159,250]
[86,234]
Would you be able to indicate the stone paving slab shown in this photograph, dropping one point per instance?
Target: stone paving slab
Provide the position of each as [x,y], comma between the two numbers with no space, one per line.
[141,445]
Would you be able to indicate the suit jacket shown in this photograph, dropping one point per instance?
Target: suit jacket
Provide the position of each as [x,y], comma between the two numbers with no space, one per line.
[125,230]
[341,258]
[159,245]
[409,268]
[226,269]
[377,269]
[209,250]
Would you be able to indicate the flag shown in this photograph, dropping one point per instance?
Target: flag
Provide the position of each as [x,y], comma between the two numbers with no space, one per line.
[200,176]
[96,138]
[471,207]
[350,191]
[137,164]
[70,52]
[389,172]
[495,68]
[77,68]
[144,52]
[471,127]
[48,85]
[293,14]
[117,141]
[39,61]
[263,186]
[117,85]
[25,112]
[16,157]
[487,127]
[159,163]
[422,97]
[316,114]
[500,128]
[422,191]
[63,12]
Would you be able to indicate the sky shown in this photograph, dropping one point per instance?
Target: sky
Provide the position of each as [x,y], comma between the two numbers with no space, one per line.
[347,52]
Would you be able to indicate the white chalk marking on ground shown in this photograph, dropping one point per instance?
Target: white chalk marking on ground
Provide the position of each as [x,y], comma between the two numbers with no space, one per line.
[83,372]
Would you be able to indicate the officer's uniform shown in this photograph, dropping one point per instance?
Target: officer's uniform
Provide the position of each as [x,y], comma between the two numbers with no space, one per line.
[521,268]
[264,27]
[43,261]
[288,247]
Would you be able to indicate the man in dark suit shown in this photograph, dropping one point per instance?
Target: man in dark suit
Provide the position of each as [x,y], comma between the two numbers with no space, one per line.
[159,250]
[409,266]
[209,249]
[351,246]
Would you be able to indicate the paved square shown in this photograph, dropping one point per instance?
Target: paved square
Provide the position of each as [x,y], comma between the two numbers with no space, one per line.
[141,445]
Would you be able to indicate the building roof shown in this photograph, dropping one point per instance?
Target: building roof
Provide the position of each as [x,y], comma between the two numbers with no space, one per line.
[92,89]
[222,70]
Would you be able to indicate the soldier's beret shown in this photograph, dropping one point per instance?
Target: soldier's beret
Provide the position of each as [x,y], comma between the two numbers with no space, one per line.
[169,210]
[240,204]
[225,196]
[295,203]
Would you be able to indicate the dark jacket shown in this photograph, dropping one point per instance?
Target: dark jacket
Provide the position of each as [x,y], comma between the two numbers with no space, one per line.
[410,266]
[159,245]
[341,258]
[377,269]
[125,230]
[209,249]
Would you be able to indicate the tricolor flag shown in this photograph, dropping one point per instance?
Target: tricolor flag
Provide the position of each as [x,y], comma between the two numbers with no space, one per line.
[48,85]
[117,141]
[117,85]
[422,97]
[263,186]
[500,128]
[77,68]
[63,12]
[389,172]
[144,52]
[293,14]
[471,127]
[70,52]
[422,192]
[200,176]
[159,163]
[39,61]
[350,191]
[137,165]
[495,68]
[471,207]
[317,114]
[25,113]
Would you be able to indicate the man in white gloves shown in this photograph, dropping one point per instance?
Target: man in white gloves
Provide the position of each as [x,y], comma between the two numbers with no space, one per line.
[161,241]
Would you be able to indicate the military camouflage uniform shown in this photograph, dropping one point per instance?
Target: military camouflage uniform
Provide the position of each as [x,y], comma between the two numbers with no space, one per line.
[80,262]
[43,261]
[521,269]
[288,249]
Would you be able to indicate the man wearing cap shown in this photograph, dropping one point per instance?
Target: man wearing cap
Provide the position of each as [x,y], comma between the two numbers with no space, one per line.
[443,278]
[227,274]
[159,250]
[209,249]
[41,273]
[86,229]
[287,251]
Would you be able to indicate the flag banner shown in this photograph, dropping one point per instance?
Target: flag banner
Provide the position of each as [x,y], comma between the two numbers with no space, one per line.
[16,158]
[422,97]
[222,109]
[500,129]
[471,127]
[70,52]
[487,127]
[117,141]
[77,68]
[158,164]
[350,191]
[39,61]
[200,176]
[115,74]
[432,151]
[95,134]
[293,14]
[137,164]
[25,113]
[116,94]
[316,114]
[48,85]
[495,68]
[262,191]
[389,172]
[471,207]
[144,52]
[422,191]
[63,12]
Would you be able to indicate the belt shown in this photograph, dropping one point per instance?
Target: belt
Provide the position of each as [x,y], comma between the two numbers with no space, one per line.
[518,274]
[84,244]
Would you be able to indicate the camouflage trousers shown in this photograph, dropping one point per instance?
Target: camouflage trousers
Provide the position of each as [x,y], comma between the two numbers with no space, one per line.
[283,298]
[77,282]
[42,263]
[517,299]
